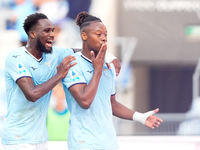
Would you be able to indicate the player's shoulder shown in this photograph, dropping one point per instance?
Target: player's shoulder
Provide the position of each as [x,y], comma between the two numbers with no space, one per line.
[61,49]
[17,53]
[77,54]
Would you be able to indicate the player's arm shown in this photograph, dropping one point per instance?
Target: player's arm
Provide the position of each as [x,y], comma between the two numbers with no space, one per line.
[109,58]
[84,94]
[123,112]
[120,110]
[34,92]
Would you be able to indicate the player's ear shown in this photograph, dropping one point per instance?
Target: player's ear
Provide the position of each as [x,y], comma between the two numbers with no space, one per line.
[32,34]
[83,36]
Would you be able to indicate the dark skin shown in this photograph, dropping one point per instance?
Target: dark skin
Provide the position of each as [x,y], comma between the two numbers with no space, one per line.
[44,32]
[94,37]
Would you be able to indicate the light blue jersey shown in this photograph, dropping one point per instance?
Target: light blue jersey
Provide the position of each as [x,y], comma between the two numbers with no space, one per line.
[25,121]
[91,128]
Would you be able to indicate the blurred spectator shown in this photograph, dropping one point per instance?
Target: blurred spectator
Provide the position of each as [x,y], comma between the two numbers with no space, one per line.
[77,6]
[69,35]
[55,10]
[62,14]
[58,115]
[21,10]
[6,4]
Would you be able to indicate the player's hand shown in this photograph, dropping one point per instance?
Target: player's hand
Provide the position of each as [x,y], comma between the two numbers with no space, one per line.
[98,61]
[64,66]
[117,64]
[153,121]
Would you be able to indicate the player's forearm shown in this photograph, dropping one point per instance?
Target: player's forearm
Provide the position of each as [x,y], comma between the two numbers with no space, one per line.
[90,91]
[40,90]
[121,111]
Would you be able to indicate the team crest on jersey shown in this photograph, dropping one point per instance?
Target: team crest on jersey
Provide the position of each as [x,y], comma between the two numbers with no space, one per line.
[21,68]
[74,75]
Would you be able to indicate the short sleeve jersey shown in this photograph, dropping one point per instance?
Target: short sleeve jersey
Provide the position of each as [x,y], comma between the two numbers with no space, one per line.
[90,128]
[25,121]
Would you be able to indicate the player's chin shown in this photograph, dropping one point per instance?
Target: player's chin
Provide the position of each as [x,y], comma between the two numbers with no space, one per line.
[48,50]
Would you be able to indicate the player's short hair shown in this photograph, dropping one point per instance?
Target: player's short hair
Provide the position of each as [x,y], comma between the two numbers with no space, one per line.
[84,19]
[32,20]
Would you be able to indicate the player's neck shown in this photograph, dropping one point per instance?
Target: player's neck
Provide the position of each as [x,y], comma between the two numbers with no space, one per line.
[86,53]
[31,48]
[35,53]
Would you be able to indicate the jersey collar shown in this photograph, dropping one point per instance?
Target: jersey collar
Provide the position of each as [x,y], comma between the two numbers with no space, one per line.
[32,55]
[85,57]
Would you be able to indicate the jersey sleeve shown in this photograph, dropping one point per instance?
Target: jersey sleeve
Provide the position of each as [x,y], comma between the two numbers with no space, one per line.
[64,52]
[16,68]
[114,79]
[74,76]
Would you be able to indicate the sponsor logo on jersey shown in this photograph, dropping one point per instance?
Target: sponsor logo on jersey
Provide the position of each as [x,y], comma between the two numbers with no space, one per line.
[15,56]
[74,75]
[21,68]
[49,64]
[90,71]
[33,68]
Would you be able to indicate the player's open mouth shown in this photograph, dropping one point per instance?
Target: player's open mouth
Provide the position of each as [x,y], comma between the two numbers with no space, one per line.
[49,43]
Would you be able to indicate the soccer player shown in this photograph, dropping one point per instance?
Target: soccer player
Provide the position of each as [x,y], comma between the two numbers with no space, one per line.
[31,72]
[90,90]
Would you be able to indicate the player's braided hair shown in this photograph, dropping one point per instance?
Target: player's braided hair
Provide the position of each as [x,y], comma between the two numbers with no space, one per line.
[32,21]
[84,19]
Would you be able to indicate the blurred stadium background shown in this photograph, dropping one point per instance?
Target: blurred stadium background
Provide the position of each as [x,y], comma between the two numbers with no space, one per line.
[158,43]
